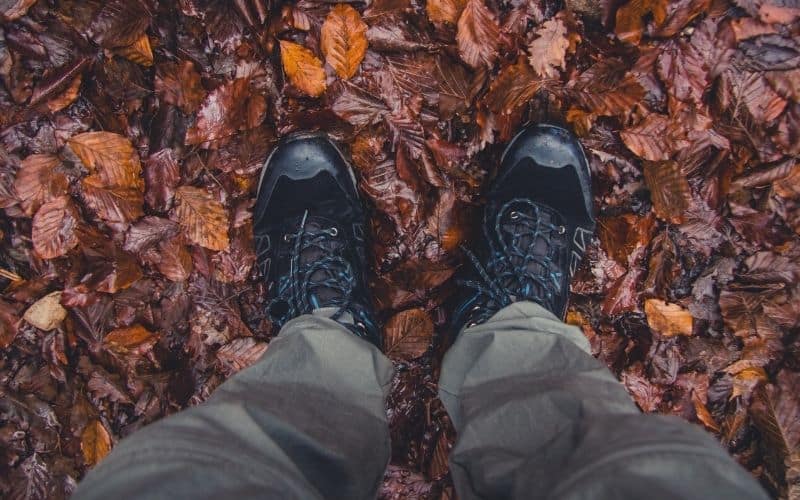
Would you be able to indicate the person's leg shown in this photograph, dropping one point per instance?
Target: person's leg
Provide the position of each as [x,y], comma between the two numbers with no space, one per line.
[306,421]
[538,417]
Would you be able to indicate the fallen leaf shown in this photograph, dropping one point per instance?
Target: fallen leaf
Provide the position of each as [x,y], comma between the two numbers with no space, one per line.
[111,156]
[230,108]
[95,442]
[444,11]
[549,50]
[630,18]
[139,51]
[203,219]
[241,353]
[513,88]
[54,231]
[39,181]
[478,35]
[46,313]
[134,340]
[67,97]
[179,84]
[303,68]
[119,23]
[344,40]
[113,204]
[668,319]
[669,190]
[408,334]
[654,139]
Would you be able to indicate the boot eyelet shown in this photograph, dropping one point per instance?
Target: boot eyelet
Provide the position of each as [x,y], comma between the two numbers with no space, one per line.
[333,232]
[514,215]
[562,229]
[287,238]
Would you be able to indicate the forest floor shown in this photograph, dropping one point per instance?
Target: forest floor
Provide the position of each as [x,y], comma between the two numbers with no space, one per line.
[132,134]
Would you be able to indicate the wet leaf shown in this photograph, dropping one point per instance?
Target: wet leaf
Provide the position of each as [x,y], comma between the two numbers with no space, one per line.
[46,313]
[241,353]
[14,9]
[444,11]
[179,84]
[161,178]
[407,334]
[111,156]
[630,18]
[203,219]
[513,88]
[549,50]
[344,40]
[139,51]
[478,35]
[113,204]
[303,68]
[230,108]
[668,319]
[654,139]
[669,190]
[55,228]
[95,442]
[134,340]
[39,181]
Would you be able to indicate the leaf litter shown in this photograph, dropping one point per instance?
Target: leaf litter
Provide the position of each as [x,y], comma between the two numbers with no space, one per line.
[131,139]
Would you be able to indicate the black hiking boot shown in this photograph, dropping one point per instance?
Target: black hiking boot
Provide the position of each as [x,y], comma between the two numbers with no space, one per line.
[536,224]
[309,233]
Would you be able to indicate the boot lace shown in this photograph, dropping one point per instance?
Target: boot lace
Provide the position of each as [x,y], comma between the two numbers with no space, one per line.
[328,272]
[523,260]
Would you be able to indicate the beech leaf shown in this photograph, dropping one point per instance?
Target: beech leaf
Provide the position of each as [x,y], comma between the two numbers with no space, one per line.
[668,319]
[303,68]
[202,218]
[408,334]
[55,225]
[111,156]
[478,35]
[344,40]
[549,50]
[669,190]
[46,313]
[444,11]
[38,181]
[95,443]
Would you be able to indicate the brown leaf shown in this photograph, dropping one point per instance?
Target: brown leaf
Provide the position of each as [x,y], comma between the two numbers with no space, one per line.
[119,23]
[654,139]
[548,52]
[55,225]
[148,232]
[134,340]
[630,25]
[703,415]
[161,177]
[46,313]
[444,11]
[67,97]
[139,51]
[408,334]
[230,108]
[113,204]
[668,319]
[202,217]
[241,353]
[14,9]
[681,68]
[175,261]
[513,87]
[178,84]
[303,68]
[38,181]
[95,443]
[478,35]
[344,40]
[669,190]
[111,156]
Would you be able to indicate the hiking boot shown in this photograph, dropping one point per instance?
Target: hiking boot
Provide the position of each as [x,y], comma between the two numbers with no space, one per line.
[536,224]
[309,233]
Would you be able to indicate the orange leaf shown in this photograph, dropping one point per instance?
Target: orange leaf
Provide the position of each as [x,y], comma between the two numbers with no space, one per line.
[66,97]
[669,190]
[668,319]
[549,50]
[703,415]
[478,35]
[38,181]
[134,340]
[111,156]
[407,334]
[654,139]
[303,68]
[444,11]
[344,40]
[175,261]
[514,86]
[179,84]
[115,204]
[202,218]
[95,442]
[139,51]
[54,228]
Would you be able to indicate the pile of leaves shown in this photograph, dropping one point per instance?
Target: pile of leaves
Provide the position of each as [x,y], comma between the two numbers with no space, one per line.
[132,133]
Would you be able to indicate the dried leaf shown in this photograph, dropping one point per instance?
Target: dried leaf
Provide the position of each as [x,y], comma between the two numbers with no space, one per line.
[202,218]
[139,51]
[668,319]
[669,190]
[303,68]
[408,334]
[95,443]
[444,11]
[548,52]
[134,340]
[344,40]
[478,35]
[46,313]
[111,156]
[55,227]
[38,181]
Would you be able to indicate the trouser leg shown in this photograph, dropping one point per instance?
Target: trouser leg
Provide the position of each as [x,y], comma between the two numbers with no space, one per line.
[538,417]
[308,420]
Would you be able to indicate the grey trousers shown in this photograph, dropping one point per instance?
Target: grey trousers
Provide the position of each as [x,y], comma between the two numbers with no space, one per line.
[536,415]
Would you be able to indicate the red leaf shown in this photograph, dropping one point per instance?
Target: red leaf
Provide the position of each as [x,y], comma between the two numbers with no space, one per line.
[478,35]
